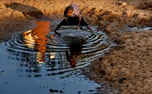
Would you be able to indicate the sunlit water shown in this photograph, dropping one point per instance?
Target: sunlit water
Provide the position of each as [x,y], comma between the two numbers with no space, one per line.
[20,73]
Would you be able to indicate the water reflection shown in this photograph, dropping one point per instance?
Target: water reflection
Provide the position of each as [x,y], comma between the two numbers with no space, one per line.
[72,50]
[23,71]
[20,60]
[37,39]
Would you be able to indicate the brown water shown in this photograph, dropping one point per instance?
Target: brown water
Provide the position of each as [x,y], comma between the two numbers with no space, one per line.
[21,73]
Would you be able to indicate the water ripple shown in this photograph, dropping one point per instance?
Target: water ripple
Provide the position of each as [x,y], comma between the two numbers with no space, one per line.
[56,58]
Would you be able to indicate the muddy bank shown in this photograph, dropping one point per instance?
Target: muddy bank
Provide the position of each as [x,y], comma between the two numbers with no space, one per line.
[115,14]
[128,66]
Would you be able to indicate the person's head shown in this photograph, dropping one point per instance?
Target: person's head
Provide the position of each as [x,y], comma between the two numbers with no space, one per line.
[68,11]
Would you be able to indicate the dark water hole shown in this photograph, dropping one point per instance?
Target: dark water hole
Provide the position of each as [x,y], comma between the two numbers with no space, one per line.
[20,73]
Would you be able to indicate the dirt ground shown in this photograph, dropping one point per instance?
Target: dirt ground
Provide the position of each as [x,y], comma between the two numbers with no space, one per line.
[128,66]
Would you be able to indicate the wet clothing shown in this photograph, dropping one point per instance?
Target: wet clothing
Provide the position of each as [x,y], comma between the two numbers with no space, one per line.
[72,21]
[73,17]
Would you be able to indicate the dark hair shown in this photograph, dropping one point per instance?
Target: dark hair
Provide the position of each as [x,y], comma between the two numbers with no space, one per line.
[67,9]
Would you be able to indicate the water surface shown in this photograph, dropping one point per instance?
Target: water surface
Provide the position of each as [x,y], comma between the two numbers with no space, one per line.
[20,73]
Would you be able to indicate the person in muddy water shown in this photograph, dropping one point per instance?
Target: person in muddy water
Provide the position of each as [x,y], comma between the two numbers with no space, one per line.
[72,17]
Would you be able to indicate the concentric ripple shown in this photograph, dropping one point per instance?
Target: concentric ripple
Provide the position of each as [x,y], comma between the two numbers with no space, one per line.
[56,58]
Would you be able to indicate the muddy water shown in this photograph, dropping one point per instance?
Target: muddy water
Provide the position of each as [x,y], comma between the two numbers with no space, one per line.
[21,73]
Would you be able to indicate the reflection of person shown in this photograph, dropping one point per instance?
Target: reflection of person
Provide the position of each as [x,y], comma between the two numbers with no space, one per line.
[72,17]
[39,36]
[75,47]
